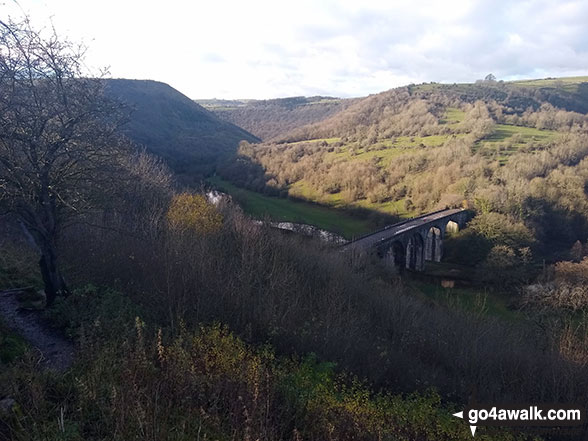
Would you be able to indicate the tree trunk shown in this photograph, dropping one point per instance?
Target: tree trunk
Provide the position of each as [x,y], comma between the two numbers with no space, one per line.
[52,279]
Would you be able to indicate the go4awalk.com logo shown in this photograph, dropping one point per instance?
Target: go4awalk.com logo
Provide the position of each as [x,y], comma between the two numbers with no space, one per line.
[545,415]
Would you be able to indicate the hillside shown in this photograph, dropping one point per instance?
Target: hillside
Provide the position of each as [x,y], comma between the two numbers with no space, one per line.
[570,93]
[490,145]
[172,126]
[268,119]
[135,306]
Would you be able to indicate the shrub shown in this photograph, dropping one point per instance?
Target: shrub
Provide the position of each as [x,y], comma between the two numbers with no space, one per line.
[104,310]
[209,384]
[193,212]
[505,266]
[500,229]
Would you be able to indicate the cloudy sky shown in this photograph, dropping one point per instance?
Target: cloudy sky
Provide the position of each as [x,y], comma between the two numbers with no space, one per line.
[267,49]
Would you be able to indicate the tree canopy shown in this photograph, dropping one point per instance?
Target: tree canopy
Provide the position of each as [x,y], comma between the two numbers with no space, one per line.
[58,142]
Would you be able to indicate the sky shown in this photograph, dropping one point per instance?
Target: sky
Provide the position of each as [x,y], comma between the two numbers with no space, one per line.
[231,49]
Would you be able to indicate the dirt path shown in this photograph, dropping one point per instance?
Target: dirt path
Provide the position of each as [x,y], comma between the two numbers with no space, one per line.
[56,352]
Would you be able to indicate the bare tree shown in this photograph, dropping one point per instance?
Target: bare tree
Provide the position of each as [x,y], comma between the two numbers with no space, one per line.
[58,141]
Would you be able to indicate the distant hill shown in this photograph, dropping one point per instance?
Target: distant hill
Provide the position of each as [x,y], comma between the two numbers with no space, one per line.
[361,116]
[291,118]
[269,119]
[171,125]
[509,147]
[570,93]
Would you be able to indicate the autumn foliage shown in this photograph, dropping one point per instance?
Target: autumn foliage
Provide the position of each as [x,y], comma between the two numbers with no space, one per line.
[193,212]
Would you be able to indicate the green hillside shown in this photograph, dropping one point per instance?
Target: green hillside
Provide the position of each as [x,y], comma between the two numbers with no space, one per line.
[568,93]
[571,84]
[501,146]
[135,304]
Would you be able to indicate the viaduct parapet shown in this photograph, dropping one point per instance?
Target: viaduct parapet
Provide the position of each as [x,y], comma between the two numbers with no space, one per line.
[410,243]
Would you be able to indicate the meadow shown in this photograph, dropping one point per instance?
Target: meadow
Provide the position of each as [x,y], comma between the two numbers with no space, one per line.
[569,84]
[262,207]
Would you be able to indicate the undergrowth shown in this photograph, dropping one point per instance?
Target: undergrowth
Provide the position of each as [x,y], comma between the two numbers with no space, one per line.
[135,381]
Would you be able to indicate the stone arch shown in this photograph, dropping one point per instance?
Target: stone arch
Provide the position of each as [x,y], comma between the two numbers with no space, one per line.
[415,253]
[393,254]
[452,227]
[434,245]
[397,254]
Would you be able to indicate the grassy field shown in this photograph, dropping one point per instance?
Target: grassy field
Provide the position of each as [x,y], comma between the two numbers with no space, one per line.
[453,116]
[505,139]
[508,139]
[279,209]
[303,190]
[569,84]
[327,140]
[384,152]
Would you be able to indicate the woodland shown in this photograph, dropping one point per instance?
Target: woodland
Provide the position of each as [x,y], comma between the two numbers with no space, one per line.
[191,321]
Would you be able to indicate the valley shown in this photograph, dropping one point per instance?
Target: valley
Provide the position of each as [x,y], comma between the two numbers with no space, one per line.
[184,318]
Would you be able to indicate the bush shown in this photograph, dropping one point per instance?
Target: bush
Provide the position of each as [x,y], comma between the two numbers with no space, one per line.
[104,310]
[211,385]
[506,267]
[500,229]
[193,212]
[302,298]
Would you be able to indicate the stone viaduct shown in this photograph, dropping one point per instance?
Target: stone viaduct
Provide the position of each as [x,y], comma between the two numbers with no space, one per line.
[410,243]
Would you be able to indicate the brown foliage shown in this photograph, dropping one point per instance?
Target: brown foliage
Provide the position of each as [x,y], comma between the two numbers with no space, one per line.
[305,299]
[193,212]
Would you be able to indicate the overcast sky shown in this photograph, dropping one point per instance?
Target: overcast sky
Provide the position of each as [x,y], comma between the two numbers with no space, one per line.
[267,49]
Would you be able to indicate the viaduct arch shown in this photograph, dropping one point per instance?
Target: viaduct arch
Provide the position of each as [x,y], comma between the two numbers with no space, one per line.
[410,243]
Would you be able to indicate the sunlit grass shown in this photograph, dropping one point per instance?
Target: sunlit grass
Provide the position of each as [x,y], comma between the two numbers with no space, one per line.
[395,208]
[506,140]
[261,206]
[385,150]
[313,141]
[453,116]
[304,190]
[569,84]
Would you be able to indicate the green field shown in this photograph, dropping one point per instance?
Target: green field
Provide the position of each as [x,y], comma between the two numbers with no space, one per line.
[452,116]
[303,190]
[311,141]
[569,84]
[280,209]
[383,152]
[508,139]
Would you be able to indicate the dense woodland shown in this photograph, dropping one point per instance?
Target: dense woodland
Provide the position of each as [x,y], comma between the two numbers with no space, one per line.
[190,321]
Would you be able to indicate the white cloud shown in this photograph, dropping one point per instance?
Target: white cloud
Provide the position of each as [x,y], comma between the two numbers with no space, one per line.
[263,49]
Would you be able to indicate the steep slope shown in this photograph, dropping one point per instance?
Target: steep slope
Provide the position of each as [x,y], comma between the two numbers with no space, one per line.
[384,110]
[171,125]
[496,146]
[269,119]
